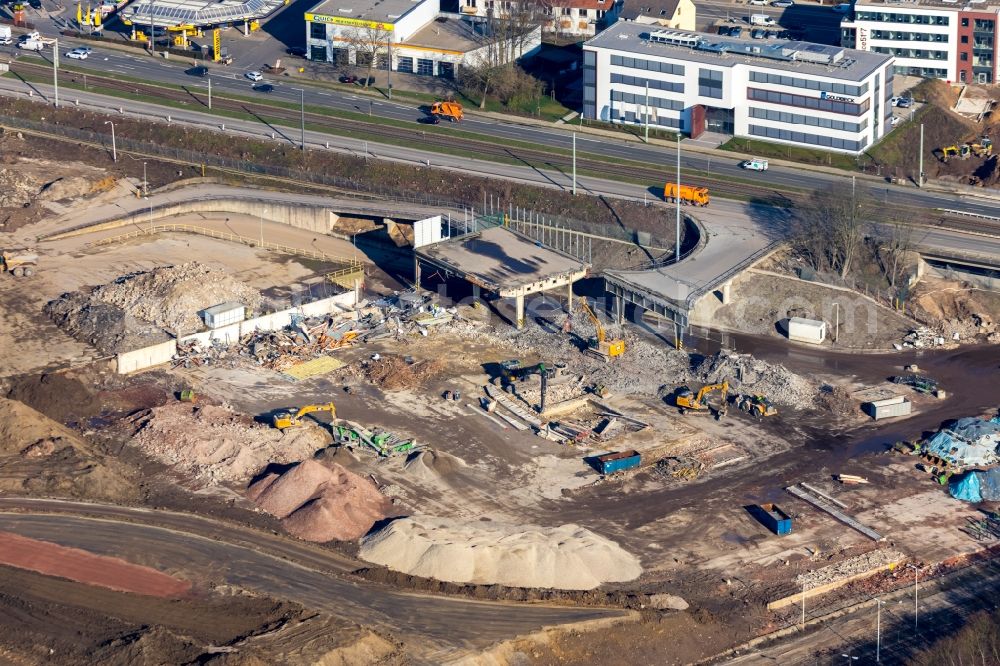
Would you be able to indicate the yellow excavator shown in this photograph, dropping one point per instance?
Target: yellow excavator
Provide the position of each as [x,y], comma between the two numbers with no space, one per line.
[599,345]
[984,148]
[687,401]
[283,420]
[756,405]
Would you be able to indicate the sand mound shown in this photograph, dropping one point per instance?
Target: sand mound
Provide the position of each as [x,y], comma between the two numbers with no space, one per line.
[392,373]
[427,464]
[320,503]
[568,557]
[217,444]
[43,457]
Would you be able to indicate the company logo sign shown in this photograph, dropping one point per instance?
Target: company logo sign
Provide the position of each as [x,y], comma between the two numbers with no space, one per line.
[350,22]
[836,98]
[862,39]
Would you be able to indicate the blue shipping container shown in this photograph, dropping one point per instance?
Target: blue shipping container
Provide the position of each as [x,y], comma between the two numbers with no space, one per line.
[774,519]
[619,460]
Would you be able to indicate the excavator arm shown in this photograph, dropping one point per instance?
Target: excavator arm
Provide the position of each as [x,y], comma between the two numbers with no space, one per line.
[593,320]
[284,420]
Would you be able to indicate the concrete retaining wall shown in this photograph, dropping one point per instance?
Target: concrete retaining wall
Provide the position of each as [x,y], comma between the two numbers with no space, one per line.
[147,357]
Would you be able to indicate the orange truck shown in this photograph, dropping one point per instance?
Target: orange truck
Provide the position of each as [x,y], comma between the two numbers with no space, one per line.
[450,110]
[690,195]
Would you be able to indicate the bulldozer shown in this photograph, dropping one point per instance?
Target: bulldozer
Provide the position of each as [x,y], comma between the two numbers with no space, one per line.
[450,110]
[19,263]
[687,401]
[283,420]
[599,346]
[756,405]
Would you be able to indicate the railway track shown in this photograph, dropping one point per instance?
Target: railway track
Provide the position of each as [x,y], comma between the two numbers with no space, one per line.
[539,159]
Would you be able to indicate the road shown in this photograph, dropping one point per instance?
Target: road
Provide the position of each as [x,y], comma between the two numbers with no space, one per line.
[197,547]
[228,80]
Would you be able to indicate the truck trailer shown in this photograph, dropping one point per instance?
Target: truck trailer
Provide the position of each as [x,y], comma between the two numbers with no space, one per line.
[689,194]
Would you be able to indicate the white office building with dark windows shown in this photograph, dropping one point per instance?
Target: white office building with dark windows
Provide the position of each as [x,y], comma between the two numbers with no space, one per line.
[781,91]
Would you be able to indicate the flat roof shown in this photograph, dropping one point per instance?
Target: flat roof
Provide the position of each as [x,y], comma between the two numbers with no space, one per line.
[381,11]
[499,260]
[201,13]
[833,62]
[947,5]
[447,34]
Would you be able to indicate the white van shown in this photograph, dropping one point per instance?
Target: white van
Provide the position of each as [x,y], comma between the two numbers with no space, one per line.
[754,164]
[761,19]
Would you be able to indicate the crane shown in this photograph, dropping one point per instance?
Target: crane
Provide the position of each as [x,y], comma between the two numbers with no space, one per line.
[687,401]
[283,420]
[599,345]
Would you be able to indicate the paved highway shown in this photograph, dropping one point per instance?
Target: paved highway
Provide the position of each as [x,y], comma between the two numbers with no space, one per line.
[434,627]
[230,80]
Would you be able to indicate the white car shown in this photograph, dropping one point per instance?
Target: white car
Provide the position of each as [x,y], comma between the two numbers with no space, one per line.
[80,53]
[254,76]
[842,8]
[757,2]
[754,164]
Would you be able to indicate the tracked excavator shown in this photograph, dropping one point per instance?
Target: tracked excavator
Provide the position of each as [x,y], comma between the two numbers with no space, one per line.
[284,420]
[687,401]
[599,345]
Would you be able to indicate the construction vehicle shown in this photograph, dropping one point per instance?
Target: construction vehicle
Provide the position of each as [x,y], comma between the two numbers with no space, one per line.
[450,110]
[689,194]
[599,346]
[687,401]
[19,263]
[187,395]
[947,152]
[982,149]
[757,405]
[283,420]
[512,373]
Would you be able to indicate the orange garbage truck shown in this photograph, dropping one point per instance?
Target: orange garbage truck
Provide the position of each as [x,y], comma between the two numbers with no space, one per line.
[450,110]
[688,194]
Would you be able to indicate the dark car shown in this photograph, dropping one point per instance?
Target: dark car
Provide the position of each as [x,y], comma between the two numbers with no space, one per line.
[757,33]
[736,32]
[429,120]
[724,30]
[263,88]
[200,70]
[783,34]
[297,51]
[348,78]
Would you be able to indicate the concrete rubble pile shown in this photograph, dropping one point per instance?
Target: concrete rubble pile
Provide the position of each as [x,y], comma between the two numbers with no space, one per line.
[566,557]
[920,338]
[859,564]
[216,444]
[747,374]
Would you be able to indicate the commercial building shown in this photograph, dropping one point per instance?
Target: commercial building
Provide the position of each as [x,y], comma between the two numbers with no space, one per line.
[780,91]
[418,38]
[674,14]
[198,13]
[929,38]
[566,17]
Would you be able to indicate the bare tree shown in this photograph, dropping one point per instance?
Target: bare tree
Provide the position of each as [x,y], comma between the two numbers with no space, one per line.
[369,43]
[832,226]
[503,37]
[893,240]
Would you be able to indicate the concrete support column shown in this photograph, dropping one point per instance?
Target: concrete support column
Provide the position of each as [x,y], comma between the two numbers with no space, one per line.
[725,292]
[475,293]
[619,309]
[416,271]
[569,297]
[678,336]
[519,311]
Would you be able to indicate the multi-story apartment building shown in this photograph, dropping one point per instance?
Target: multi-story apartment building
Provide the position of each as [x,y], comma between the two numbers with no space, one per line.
[578,18]
[781,91]
[929,38]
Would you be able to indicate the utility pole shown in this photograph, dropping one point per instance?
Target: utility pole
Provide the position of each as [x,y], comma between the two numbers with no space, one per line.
[388,69]
[920,176]
[145,183]
[210,94]
[677,241]
[152,36]
[114,148]
[55,70]
[647,119]
[302,117]
[574,163]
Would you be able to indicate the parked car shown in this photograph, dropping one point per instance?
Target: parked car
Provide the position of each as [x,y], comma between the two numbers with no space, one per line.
[263,88]
[783,34]
[754,164]
[904,102]
[782,3]
[736,32]
[757,2]
[254,76]
[724,30]
[895,121]
[757,33]
[80,53]
[842,8]
[348,78]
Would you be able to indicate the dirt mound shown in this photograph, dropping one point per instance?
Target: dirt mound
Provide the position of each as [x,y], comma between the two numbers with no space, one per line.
[951,307]
[568,557]
[747,374]
[428,463]
[217,444]
[107,327]
[59,395]
[17,189]
[936,91]
[320,503]
[392,373]
[172,296]
[43,457]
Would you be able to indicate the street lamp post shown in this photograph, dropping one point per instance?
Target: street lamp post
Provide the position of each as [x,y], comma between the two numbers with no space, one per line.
[145,183]
[302,118]
[260,217]
[114,147]
[55,70]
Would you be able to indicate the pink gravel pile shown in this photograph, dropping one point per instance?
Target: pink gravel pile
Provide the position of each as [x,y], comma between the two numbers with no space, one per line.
[320,503]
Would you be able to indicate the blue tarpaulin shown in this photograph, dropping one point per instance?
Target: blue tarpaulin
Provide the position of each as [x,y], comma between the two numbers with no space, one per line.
[969,442]
[977,486]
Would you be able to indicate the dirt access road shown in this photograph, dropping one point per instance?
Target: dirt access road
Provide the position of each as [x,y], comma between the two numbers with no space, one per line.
[434,629]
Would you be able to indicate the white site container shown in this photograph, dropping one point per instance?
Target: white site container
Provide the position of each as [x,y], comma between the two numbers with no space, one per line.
[224,314]
[884,409]
[806,330]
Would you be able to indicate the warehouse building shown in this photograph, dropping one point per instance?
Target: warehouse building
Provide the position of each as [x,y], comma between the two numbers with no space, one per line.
[419,38]
[931,39]
[790,92]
